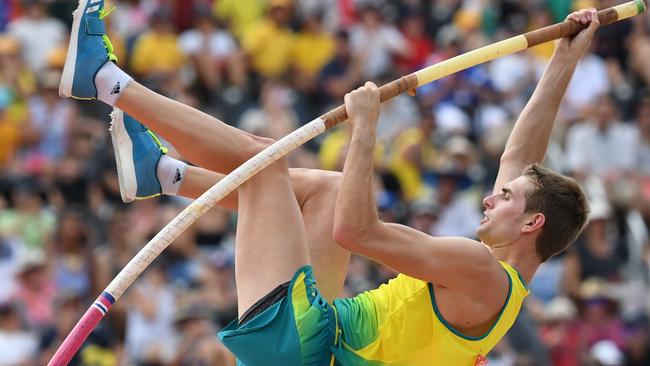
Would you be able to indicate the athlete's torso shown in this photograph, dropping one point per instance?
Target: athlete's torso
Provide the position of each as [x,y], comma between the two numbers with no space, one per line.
[399,324]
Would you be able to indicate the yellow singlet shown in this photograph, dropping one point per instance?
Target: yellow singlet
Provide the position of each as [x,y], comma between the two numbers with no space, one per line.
[399,324]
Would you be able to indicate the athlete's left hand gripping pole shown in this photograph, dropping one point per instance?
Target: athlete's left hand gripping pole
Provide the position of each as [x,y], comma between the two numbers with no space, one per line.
[229,183]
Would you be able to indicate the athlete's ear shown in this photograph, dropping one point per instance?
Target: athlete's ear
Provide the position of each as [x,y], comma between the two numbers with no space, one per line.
[533,222]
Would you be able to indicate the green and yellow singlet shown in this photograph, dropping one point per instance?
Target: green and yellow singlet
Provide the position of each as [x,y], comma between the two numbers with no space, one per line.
[399,324]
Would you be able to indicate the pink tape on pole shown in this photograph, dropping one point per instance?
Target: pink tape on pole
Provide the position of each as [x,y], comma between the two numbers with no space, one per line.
[82,330]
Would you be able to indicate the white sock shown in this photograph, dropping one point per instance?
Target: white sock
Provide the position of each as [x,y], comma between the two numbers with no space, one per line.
[171,173]
[111,82]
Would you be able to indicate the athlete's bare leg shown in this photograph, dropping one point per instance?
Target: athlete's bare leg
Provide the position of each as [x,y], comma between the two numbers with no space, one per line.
[271,239]
[200,138]
[315,191]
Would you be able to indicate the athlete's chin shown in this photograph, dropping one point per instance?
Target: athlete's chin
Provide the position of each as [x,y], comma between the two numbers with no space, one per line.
[481,233]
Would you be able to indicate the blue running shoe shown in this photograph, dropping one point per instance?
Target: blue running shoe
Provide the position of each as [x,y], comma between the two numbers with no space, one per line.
[88,51]
[137,153]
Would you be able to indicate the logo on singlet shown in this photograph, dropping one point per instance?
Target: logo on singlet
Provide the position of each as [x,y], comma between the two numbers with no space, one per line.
[481,361]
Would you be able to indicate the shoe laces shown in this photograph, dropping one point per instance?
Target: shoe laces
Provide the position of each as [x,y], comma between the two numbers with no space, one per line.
[103,13]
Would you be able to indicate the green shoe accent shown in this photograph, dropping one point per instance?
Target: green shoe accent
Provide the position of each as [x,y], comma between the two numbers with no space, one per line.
[103,13]
[155,138]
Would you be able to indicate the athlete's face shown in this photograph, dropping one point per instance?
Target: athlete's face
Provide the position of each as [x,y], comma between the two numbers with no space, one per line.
[504,213]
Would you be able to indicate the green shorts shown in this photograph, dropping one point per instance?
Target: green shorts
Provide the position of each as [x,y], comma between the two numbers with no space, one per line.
[299,329]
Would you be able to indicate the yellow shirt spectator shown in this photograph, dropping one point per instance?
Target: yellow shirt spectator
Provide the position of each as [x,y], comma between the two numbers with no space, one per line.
[9,139]
[269,47]
[240,14]
[156,52]
[311,51]
[407,172]
[333,150]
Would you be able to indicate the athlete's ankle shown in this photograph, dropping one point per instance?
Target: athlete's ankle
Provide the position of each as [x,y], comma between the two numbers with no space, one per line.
[111,82]
[170,173]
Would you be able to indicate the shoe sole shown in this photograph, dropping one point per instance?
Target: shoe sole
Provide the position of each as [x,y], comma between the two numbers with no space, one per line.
[123,148]
[65,86]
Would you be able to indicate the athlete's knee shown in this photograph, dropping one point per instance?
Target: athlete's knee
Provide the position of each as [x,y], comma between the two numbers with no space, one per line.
[259,143]
[273,174]
[310,184]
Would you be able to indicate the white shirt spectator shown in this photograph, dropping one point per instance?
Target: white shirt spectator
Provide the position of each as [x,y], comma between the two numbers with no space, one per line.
[507,73]
[38,38]
[376,48]
[397,115]
[219,43]
[599,152]
[151,334]
[460,218]
[17,347]
[130,19]
[10,254]
[589,81]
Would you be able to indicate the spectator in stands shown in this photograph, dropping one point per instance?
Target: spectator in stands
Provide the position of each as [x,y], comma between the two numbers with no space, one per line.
[590,144]
[74,263]
[131,18]
[459,209]
[217,286]
[586,89]
[413,154]
[269,41]
[196,345]
[341,74]
[28,222]
[214,55]
[151,311]
[420,46]
[375,43]
[36,289]
[594,254]
[52,119]
[240,15]
[313,48]
[156,54]
[18,344]
[597,320]
[38,33]
[643,156]
[559,332]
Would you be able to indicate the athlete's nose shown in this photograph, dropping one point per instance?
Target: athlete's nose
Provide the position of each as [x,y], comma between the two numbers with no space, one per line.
[488,201]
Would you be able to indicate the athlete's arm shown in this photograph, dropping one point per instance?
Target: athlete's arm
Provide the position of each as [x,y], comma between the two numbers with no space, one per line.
[456,263]
[529,138]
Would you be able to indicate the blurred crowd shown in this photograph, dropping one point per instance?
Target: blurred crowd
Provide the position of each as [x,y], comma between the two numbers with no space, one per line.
[268,66]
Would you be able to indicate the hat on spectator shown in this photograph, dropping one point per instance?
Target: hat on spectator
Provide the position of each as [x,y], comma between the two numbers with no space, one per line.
[50,79]
[8,45]
[448,35]
[56,58]
[595,289]
[31,260]
[68,297]
[280,3]
[190,310]
[600,209]
[9,307]
[451,120]
[460,146]
[27,3]
[421,207]
[467,19]
[607,353]
[221,259]
[560,308]
[583,4]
